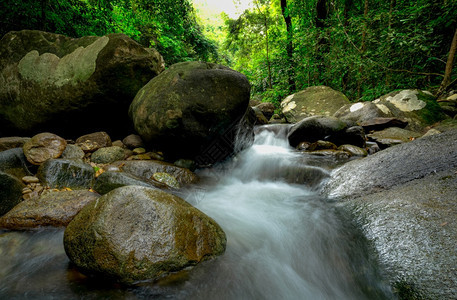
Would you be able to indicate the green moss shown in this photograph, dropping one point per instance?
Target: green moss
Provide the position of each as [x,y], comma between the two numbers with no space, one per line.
[407,291]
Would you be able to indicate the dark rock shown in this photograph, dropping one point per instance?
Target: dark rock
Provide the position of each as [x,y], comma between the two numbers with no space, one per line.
[186,164]
[353,150]
[44,146]
[267,109]
[7,143]
[94,141]
[145,169]
[393,136]
[373,147]
[133,141]
[109,181]
[136,233]
[73,152]
[322,145]
[59,81]
[13,162]
[195,104]
[394,166]
[51,209]
[10,192]
[108,155]
[378,124]
[337,154]
[315,100]
[260,117]
[354,135]
[315,128]
[60,173]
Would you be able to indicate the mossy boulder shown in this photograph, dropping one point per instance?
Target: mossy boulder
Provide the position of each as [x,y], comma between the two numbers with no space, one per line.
[418,108]
[315,100]
[10,192]
[13,162]
[51,82]
[192,110]
[136,233]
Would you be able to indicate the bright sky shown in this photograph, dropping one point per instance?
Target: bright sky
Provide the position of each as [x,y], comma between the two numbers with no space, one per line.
[216,7]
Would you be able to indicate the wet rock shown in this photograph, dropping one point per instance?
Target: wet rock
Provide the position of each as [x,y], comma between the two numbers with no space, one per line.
[166,179]
[354,135]
[133,141]
[195,104]
[109,181]
[60,173]
[322,145]
[393,136]
[260,117]
[267,109]
[413,229]
[59,81]
[353,150]
[44,146]
[136,233]
[7,143]
[13,162]
[378,124]
[395,166]
[315,100]
[372,147]
[315,128]
[10,192]
[73,152]
[30,179]
[107,155]
[118,143]
[51,209]
[337,154]
[186,164]
[137,151]
[146,169]
[277,119]
[94,141]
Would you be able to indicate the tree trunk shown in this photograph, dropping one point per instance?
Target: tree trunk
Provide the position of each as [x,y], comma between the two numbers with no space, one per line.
[267,44]
[322,43]
[363,47]
[449,65]
[44,7]
[289,47]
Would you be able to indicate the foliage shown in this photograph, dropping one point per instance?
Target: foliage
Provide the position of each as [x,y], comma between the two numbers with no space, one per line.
[170,26]
[362,48]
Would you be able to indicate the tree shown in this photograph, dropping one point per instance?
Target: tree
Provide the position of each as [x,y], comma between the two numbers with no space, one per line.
[449,65]
[289,47]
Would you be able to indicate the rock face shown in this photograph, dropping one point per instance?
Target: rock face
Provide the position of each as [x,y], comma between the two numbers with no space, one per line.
[136,233]
[50,82]
[417,108]
[315,100]
[404,200]
[44,146]
[192,109]
[51,209]
[10,192]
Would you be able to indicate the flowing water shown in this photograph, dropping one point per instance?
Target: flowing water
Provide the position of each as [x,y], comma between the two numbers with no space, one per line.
[284,241]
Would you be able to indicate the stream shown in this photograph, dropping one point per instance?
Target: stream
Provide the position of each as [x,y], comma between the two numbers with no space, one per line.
[284,241]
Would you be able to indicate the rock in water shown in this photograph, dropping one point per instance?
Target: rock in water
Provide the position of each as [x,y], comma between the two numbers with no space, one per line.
[192,110]
[137,233]
[315,100]
[51,82]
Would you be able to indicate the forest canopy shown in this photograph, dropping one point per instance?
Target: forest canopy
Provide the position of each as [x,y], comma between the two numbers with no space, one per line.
[363,48]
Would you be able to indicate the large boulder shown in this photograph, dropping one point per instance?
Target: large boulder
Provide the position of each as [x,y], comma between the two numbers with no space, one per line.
[315,100]
[403,198]
[51,209]
[13,162]
[51,82]
[315,128]
[192,110]
[66,173]
[419,109]
[137,233]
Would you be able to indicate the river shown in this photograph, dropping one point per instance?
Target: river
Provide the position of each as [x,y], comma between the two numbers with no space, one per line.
[284,241]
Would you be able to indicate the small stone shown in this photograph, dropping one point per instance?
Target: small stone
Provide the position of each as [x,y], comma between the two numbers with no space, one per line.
[94,141]
[44,146]
[303,146]
[118,143]
[353,150]
[26,190]
[137,151]
[73,152]
[108,155]
[133,141]
[30,179]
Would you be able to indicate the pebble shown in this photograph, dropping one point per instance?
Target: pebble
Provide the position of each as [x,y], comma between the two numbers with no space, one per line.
[30,179]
